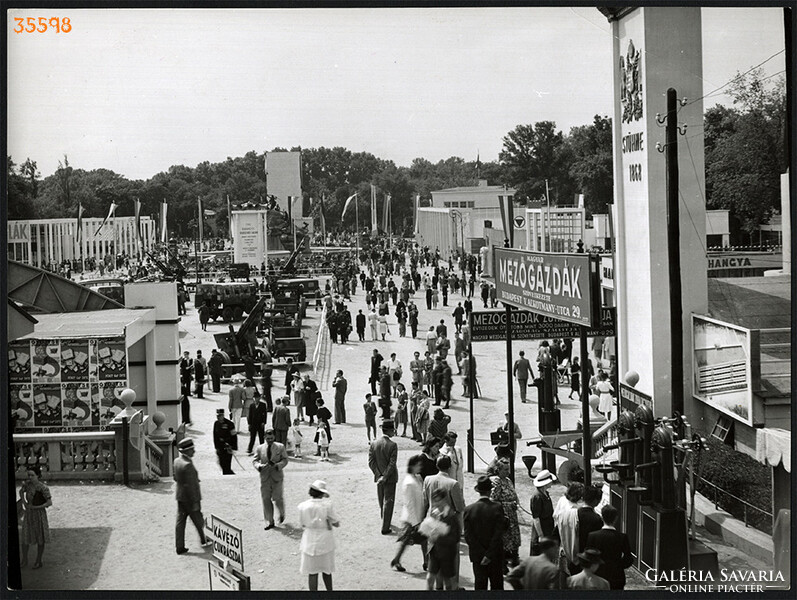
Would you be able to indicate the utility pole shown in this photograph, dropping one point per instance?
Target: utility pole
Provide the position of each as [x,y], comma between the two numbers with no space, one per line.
[674,253]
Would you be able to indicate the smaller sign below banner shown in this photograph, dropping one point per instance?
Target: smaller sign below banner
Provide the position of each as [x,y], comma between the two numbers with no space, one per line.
[227,542]
[490,325]
[631,399]
[224,581]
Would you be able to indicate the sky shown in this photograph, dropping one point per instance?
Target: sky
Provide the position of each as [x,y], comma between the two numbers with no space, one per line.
[137,91]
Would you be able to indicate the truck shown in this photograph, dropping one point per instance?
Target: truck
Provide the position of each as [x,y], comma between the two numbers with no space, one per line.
[228,300]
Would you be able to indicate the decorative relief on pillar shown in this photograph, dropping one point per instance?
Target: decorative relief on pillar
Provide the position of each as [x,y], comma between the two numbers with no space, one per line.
[631,87]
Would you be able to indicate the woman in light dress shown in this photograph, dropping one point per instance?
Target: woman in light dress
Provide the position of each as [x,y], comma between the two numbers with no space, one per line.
[317,517]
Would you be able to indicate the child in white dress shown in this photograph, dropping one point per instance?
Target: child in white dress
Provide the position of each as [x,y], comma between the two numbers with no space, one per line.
[323,440]
[296,438]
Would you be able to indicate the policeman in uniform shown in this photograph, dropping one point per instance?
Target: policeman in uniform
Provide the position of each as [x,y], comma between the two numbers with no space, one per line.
[225,440]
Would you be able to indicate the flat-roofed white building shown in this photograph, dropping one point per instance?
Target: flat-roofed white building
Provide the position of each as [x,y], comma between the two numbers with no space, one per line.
[40,242]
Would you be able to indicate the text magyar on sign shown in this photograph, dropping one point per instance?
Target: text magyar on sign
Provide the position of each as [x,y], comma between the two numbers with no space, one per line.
[554,285]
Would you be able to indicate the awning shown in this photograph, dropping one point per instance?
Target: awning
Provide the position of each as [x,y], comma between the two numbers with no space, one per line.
[773,446]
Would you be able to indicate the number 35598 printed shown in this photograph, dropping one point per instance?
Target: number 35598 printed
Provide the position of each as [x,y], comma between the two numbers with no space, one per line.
[42,24]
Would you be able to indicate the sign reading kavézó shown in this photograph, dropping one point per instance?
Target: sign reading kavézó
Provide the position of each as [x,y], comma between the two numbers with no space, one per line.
[227,542]
[490,325]
[553,285]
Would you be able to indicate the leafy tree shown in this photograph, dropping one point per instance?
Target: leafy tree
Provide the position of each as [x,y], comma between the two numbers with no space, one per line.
[30,172]
[744,149]
[20,197]
[533,154]
[591,163]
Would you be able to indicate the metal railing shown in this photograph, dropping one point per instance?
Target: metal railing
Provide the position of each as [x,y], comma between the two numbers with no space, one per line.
[747,506]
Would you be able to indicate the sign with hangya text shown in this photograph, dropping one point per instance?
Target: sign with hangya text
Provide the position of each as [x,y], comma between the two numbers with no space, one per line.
[561,286]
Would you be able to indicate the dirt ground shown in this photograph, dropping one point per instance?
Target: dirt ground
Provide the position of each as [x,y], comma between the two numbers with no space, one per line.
[107,536]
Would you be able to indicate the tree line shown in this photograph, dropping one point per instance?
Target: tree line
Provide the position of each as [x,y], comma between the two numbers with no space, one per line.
[744,155]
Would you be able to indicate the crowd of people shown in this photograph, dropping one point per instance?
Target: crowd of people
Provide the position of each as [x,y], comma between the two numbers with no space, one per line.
[411,402]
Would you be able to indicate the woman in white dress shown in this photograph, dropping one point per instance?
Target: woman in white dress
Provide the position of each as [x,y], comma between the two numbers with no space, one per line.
[411,513]
[317,517]
[604,389]
[384,329]
[451,450]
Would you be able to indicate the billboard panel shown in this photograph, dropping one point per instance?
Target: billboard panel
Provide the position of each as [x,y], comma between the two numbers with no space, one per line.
[723,367]
[284,178]
[561,286]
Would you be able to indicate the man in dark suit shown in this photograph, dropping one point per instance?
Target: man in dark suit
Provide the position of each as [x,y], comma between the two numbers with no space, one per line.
[382,456]
[281,419]
[376,363]
[188,495]
[215,368]
[614,547]
[270,461]
[588,519]
[360,323]
[484,527]
[256,419]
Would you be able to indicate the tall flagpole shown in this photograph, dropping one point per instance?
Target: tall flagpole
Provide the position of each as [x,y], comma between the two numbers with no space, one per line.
[115,243]
[357,226]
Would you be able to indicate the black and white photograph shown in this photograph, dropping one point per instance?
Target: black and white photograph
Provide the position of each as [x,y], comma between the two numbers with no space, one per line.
[398,297]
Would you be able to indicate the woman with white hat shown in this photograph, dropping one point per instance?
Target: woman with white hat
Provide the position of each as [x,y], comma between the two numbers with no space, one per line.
[317,517]
[542,524]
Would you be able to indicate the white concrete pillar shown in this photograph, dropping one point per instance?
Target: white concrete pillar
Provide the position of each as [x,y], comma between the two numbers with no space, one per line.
[656,48]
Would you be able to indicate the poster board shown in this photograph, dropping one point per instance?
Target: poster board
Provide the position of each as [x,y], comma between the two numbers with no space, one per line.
[66,384]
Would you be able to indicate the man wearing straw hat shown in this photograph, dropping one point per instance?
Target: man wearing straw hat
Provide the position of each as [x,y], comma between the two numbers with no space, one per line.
[188,495]
[542,524]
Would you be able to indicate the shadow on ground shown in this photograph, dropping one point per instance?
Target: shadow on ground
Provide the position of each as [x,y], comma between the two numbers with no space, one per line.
[72,560]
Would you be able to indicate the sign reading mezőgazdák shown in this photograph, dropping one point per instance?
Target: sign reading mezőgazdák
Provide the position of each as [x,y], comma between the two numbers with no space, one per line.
[490,325]
[554,285]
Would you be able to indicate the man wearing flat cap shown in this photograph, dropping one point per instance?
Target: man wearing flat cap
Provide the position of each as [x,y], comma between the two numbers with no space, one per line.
[188,495]
[225,440]
[382,456]
[484,527]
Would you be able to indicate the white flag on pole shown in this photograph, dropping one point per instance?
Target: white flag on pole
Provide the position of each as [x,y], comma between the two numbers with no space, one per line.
[345,206]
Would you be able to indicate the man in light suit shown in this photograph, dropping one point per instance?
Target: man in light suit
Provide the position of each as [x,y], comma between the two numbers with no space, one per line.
[270,460]
[382,456]
[188,495]
[484,527]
